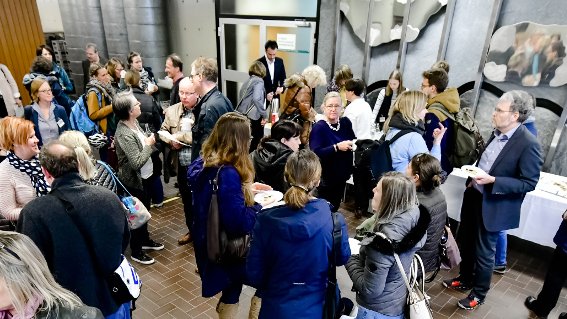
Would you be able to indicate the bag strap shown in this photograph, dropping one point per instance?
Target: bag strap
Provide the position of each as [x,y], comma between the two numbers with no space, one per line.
[443,110]
[242,98]
[398,135]
[114,177]
[69,208]
[337,237]
[215,180]
[292,99]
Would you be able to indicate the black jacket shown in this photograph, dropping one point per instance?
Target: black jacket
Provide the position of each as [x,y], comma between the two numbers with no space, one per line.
[279,75]
[80,251]
[269,163]
[151,114]
[435,204]
[207,112]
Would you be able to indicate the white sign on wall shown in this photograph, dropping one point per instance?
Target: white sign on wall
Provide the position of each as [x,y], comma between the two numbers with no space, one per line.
[286,41]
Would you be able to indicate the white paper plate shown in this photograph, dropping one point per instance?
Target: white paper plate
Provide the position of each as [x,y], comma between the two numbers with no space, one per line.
[471,171]
[268,196]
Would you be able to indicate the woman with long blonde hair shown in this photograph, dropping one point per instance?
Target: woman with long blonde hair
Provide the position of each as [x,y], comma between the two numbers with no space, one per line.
[27,287]
[406,119]
[224,158]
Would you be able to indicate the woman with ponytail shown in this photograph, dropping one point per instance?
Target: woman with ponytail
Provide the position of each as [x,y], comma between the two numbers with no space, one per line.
[93,172]
[291,243]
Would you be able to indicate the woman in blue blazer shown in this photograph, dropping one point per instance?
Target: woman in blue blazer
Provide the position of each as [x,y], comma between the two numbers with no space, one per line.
[49,119]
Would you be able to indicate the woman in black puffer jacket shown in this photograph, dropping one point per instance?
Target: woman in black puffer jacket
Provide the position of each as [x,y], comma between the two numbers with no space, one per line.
[425,171]
[271,155]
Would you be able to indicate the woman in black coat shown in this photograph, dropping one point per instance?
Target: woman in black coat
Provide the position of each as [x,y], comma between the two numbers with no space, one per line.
[272,153]
[425,171]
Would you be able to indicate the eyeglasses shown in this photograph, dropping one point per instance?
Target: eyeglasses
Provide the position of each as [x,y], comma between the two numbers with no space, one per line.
[498,110]
[193,75]
[333,106]
[181,93]
[11,252]
[45,91]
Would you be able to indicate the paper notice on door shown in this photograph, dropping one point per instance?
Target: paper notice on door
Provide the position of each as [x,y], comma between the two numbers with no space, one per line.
[286,41]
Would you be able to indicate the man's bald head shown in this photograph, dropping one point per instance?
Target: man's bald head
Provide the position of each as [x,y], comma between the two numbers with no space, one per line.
[58,159]
[187,93]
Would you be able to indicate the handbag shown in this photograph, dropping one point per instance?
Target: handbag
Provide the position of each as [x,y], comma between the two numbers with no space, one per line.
[124,283]
[331,294]
[418,302]
[220,248]
[136,213]
[450,254]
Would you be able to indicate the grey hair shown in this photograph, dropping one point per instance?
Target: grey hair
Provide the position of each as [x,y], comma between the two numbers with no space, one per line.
[521,102]
[91,46]
[330,95]
[123,103]
[26,275]
[398,196]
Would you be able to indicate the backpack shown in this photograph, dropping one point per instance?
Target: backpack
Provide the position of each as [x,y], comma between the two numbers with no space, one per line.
[79,117]
[380,156]
[467,143]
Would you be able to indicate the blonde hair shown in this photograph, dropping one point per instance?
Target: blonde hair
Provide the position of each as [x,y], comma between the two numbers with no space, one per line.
[314,75]
[408,104]
[78,142]
[14,130]
[342,74]
[398,195]
[25,272]
[111,66]
[132,78]
[34,88]
[228,144]
[302,172]
[207,68]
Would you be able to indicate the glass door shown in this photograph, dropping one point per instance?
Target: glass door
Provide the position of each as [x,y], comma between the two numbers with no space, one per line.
[242,41]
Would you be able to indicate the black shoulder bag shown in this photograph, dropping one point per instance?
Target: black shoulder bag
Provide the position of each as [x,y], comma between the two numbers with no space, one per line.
[331,298]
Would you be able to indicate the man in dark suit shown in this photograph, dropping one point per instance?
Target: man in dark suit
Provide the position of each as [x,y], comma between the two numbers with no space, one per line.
[511,164]
[275,70]
[91,52]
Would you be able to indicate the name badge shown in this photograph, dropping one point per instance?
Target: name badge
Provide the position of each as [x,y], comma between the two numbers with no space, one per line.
[60,123]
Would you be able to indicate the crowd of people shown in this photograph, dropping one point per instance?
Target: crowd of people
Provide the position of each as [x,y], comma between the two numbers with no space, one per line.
[68,203]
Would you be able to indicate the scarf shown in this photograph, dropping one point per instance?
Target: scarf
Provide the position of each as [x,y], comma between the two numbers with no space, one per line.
[400,123]
[33,169]
[29,311]
[106,89]
[144,79]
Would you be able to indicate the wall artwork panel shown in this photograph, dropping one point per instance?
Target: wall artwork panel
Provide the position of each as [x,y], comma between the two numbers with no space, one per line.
[528,54]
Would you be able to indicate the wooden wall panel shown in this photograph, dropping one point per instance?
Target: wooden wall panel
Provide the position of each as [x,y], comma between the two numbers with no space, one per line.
[20,34]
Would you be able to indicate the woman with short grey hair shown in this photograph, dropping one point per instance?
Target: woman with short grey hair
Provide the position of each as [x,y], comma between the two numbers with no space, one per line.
[135,167]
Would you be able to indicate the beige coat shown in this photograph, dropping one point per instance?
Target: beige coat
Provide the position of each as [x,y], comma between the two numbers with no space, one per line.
[9,90]
[172,124]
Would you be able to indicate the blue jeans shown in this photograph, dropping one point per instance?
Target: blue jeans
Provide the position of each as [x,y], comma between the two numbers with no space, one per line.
[501,247]
[123,312]
[364,313]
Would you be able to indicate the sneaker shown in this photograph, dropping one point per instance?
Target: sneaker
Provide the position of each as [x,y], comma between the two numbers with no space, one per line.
[500,269]
[142,258]
[185,239]
[152,245]
[456,284]
[158,205]
[470,302]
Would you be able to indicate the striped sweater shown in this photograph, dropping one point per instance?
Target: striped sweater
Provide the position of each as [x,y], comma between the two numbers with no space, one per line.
[16,190]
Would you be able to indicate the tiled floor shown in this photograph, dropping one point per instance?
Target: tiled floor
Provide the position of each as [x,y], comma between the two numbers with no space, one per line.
[172,288]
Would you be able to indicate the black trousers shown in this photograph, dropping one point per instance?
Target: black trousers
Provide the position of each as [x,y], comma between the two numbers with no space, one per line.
[140,236]
[554,281]
[478,245]
[257,133]
[333,192]
[186,196]
[362,178]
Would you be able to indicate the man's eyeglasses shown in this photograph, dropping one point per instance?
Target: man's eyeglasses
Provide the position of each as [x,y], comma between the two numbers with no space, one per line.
[11,252]
[181,93]
[191,76]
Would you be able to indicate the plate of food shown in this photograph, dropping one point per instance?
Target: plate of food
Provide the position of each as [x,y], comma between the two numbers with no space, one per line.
[268,197]
[472,171]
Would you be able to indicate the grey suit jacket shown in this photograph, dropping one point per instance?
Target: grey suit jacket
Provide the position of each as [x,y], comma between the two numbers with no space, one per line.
[252,96]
